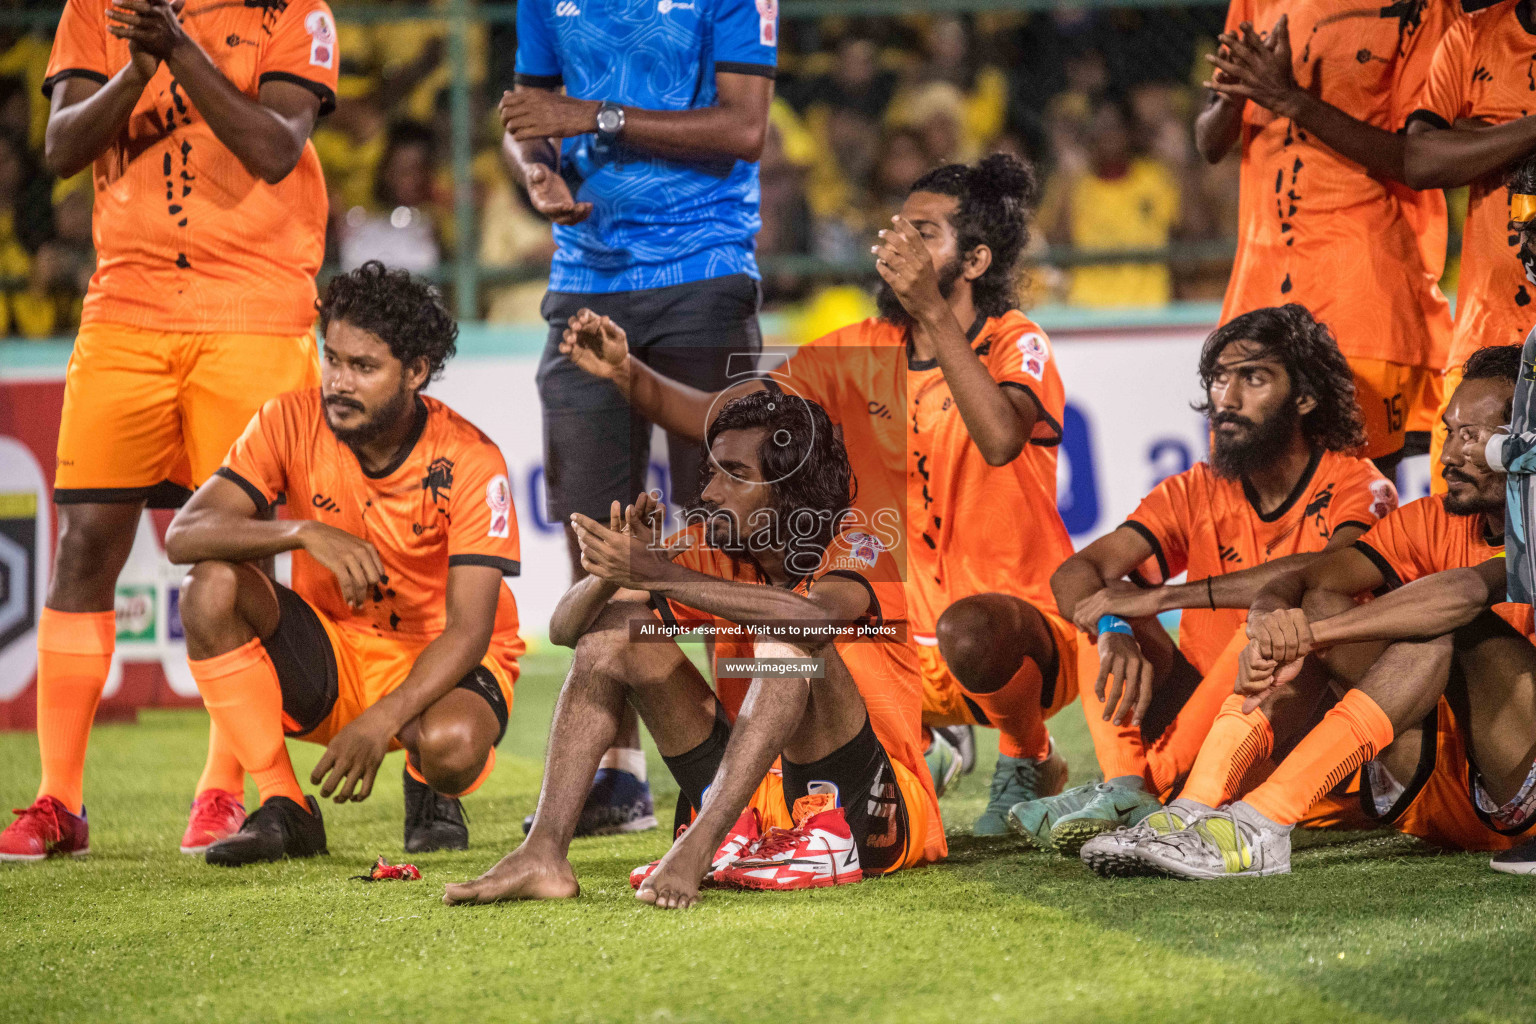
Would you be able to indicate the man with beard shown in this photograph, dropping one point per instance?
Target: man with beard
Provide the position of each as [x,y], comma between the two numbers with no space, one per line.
[398,631]
[1282,486]
[951,406]
[769,569]
[1381,711]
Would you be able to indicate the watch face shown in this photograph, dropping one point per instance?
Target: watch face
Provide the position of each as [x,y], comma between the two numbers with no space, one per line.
[608,120]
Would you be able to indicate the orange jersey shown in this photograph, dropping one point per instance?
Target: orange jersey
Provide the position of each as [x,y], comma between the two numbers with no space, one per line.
[187,239]
[445,502]
[1482,69]
[975,528]
[1309,219]
[1202,524]
[885,671]
[1422,538]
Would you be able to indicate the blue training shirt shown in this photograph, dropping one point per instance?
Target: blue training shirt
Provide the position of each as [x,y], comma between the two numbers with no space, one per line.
[655,222]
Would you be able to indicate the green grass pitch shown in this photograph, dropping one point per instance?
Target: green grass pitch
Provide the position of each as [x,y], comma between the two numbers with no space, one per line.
[1368,928]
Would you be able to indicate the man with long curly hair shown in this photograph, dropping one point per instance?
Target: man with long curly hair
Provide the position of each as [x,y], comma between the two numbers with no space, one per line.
[810,671]
[398,631]
[1285,482]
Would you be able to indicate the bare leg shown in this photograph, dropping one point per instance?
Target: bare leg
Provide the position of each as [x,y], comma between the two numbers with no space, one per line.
[586,718]
[451,740]
[1496,701]
[803,719]
[627,737]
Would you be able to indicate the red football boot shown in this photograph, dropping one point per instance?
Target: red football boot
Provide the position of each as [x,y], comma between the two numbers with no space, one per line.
[819,851]
[46,829]
[744,833]
[216,814]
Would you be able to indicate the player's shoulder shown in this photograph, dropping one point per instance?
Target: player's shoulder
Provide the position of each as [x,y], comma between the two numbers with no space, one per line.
[293,409]
[871,331]
[1421,515]
[450,429]
[1199,478]
[859,552]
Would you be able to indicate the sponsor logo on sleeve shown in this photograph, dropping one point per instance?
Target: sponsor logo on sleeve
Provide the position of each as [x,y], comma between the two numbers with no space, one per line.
[1383,498]
[322,39]
[1032,349]
[768,22]
[498,498]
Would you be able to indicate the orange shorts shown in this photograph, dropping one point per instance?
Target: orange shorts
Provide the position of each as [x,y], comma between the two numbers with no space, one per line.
[1388,394]
[944,703]
[1437,805]
[774,812]
[149,415]
[322,694]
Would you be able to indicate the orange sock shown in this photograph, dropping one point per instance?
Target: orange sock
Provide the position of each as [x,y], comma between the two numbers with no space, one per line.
[240,691]
[485,773]
[222,769]
[1173,755]
[74,654]
[1233,744]
[1118,748]
[1015,711]
[1355,731]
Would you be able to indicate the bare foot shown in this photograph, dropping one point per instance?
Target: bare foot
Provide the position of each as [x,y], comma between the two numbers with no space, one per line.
[520,875]
[674,885]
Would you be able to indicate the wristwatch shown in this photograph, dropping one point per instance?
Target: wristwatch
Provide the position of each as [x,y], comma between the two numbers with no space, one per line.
[610,122]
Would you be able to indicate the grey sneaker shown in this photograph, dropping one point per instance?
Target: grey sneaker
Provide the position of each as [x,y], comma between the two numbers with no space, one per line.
[1113,806]
[1016,780]
[1112,854]
[1237,842]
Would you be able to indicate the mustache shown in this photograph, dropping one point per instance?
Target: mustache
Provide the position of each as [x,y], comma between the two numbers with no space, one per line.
[344,403]
[1233,418]
[1456,474]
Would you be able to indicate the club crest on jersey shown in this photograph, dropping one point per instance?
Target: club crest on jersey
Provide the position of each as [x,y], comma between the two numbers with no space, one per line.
[498,498]
[864,549]
[768,22]
[1383,498]
[322,39]
[1032,348]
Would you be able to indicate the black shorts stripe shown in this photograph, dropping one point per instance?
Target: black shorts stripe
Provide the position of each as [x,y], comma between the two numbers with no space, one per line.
[162,495]
[301,652]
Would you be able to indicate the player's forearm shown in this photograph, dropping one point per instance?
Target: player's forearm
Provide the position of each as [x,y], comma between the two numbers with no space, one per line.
[437,670]
[1218,128]
[1077,579]
[268,144]
[992,421]
[670,404]
[1229,590]
[1428,607]
[80,132]
[203,537]
[579,607]
[743,603]
[1450,157]
[1378,150]
[707,133]
[1284,590]
[521,156]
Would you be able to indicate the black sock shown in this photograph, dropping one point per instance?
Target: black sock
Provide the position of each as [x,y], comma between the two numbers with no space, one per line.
[695,769]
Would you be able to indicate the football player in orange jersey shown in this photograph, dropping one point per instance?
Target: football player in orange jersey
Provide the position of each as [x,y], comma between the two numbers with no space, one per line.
[951,405]
[209,227]
[1468,125]
[1387,716]
[1310,216]
[1283,485]
[398,631]
[772,572]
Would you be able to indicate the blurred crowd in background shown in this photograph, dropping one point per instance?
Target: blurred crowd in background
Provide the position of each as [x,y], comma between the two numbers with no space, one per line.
[1102,101]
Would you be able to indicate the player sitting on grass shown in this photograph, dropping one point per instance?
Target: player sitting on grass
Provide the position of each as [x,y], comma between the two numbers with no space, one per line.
[398,630]
[852,797]
[1391,718]
[951,405]
[1281,486]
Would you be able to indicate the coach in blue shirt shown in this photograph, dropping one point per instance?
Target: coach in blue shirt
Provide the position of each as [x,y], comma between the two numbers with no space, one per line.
[654,193]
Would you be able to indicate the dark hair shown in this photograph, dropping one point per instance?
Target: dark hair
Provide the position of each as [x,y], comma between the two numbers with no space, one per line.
[1313,362]
[997,201]
[1496,362]
[1522,179]
[408,315]
[803,458]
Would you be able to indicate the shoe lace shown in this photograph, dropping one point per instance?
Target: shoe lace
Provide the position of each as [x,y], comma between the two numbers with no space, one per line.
[44,815]
[219,805]
[778,840]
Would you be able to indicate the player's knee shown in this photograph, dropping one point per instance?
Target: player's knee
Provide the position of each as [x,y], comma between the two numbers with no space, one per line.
[210,597]
[89,552]
[450,757]
[982,643]
[605,654]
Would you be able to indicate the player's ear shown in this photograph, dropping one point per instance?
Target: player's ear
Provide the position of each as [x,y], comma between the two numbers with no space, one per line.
[976,262]
[417,371]
[1306,403]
